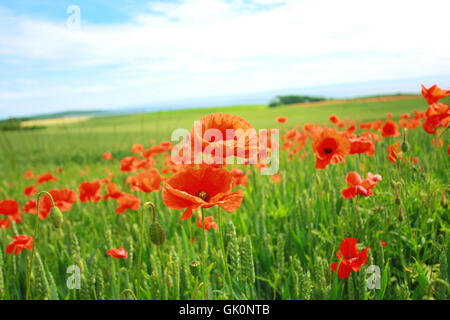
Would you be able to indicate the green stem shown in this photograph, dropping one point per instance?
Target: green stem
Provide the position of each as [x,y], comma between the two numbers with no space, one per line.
[35,234]
[141,242]
[204,252]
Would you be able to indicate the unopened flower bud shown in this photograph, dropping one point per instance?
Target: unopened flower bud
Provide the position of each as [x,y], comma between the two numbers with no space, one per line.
[157,234]
[56,217]
[194,266]
[405,146]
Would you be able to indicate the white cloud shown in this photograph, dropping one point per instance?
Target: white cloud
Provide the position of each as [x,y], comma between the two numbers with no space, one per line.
[213,47]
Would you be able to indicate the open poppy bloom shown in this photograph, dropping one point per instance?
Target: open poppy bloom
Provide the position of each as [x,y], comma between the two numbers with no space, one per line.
[118,253]
[146,181]
[30,190]
[90,191]
[390,129]
[209,223]
[137,148]
[128,202]
[276,178]
[334,119]
[46,177]
[360,145]
[351,258]
[433,94]
[10,209]
[239,178]
[107,156]
[112,192]
[281,119]
[357,187]
[330,147]
[19,243]
[30,206]
[394,152]
[203,135]
[63,198]
[29,174]
[437,115]
[205,187]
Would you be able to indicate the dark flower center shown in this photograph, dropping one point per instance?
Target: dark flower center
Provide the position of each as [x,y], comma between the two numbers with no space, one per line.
[203,195]
[328,150]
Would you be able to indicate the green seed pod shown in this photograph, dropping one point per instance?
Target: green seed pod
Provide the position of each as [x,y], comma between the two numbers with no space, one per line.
[405,146]
[56,217]
[397,201]
[157,234]
[194,266]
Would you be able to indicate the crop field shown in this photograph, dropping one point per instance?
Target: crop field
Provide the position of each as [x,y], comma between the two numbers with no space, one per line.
[356,210]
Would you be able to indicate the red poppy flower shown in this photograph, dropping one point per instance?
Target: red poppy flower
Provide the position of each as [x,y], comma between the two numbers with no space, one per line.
[90,191]
[433,94]
[137,148]
[239,178]
[112,192]
[10,209]
[276,178]
[209,223]
[147,181]
[360,145]
[437,115]
[30,206]
[63,198]
[128,202]
[29,191]
[223,123]
[281,119]
[357,187]
[394,152]
[330,147]
[390,129]
[118,253]
[334,119]
[351,258]
[383,243]
[46,177]
[107,156]
[19,243]
[29,174]
[389,115]
[205,187]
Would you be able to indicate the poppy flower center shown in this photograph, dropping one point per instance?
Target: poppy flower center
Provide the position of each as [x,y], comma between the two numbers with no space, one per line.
[202,194]
[328,150]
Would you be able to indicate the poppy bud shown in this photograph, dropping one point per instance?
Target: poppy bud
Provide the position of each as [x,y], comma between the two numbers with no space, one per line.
[405,146]
[397,201]
[194,266]
[157,234]
[56,217]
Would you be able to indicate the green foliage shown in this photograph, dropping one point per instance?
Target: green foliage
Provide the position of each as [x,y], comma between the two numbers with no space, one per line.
[278,245]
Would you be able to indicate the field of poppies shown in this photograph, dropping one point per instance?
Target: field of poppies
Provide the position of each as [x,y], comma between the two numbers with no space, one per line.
[357,209]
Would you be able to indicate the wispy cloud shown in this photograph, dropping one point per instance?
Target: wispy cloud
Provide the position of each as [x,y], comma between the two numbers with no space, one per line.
[187,49]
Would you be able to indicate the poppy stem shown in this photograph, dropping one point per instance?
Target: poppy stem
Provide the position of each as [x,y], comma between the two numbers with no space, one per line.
[222,247]
[204,252]
[141,241]
[36,230]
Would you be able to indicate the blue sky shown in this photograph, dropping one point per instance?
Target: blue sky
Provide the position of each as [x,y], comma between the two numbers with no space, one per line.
[144,53]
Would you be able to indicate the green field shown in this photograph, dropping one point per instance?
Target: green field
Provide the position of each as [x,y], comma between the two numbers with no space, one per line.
[278,245]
